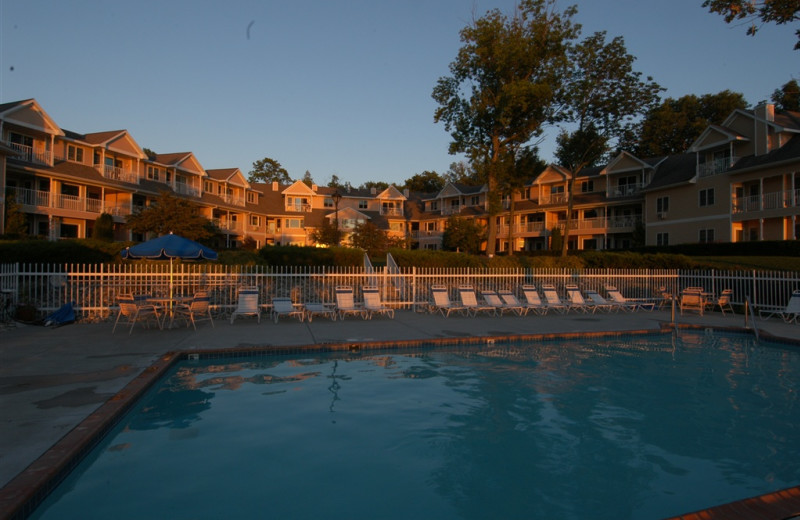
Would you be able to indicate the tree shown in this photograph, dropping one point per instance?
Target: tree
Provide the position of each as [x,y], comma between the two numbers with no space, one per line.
[464,235]
[672,126]
[169,213]
[379,186]
[269,170]
[103,228]
[337,184]
[602,96]
[522,167]
[787,97]
[502,87]
[425,182]
[370,238]
[462,172]
[327,234]
[778,11]
[16,225]
[308,180]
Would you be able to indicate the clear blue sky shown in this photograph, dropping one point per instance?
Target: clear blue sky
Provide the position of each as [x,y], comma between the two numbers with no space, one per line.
[328,86]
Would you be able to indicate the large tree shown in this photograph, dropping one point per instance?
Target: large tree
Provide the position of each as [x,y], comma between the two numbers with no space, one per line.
[464,235]
[788,96]
[602,97]
[672,126]
[169,213]
[269,170]
[502,87]
[425,182]
[757,12]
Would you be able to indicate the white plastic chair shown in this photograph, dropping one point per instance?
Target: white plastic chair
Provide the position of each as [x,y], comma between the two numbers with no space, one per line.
[247,304]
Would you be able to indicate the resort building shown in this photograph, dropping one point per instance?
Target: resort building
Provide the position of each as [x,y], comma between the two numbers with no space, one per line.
[739,181]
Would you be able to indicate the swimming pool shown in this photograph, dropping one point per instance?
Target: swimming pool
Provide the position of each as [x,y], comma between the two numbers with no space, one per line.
[635,427]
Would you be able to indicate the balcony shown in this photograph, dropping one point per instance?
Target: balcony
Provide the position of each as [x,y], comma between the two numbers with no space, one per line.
[186,189]
[391,211]
[28,154]
[299,207]
[554,198]
[37,199]
[530,227]
[426,234]
[118,173]
[716,166]
[227,226]
[767,201]
[625,190]
[233,199]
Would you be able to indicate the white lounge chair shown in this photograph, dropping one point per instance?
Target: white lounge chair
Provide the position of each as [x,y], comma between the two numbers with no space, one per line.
[346,305]
[631,305]
[283,306]
[601,304]
[789,314]
[511,302]
[198,309]
[576,299]
[373,303]
[441,302]
[247,304]
[552,299]
[470,300]
[493,299]
[533,302]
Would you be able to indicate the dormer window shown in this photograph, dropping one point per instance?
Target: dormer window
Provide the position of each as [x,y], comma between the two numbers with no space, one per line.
[208,187]
[153,173]
[74,153]
[251,197]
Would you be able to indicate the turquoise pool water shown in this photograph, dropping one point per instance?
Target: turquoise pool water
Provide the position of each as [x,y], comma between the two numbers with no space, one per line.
[636,427]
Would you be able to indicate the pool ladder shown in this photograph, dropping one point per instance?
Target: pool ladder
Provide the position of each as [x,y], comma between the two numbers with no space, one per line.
[750,316]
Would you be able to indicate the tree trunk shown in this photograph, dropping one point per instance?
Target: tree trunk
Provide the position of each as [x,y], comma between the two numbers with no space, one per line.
[565,234]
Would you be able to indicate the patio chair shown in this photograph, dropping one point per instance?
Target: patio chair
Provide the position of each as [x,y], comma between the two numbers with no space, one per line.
[692,300]
[283,306]
[441,302]
[135,311]
[373,303]
[470,301]
[198,309]
[552,300]
[500,306]
[511,303]
[666,297]
[345,303]
[576,300]
[788,314]
[601,304]
[247,304]
[631,305]
[724,301]
[533,302]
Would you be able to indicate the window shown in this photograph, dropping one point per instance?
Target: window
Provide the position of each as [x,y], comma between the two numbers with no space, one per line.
[362,204]
[153,173]
[294,223]
[587,186]
[557,189]
[396,226]
[208,187]
[328,203]
[707,197]
[74,153]
[255,221]
[475,200]
[662,205]
[251,197]
[662,239]
[434,205]
[706,236]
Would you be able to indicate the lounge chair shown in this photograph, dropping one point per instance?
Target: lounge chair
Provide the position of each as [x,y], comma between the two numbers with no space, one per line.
[724,301]
[247,304]
[441,302]
[692,300]
[470,301]
[552,300]
[532,300]
[631,305]
[319,309]
[135,311]
[576,300]
[788,314]
[511,302]
[493,299]
[198,309]
[346,305]
[373,303]
[601,304]
[283,306]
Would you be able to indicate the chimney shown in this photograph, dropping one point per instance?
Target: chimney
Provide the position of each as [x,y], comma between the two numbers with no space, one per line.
[373,190]
[764,115]
[314,187]
[406,193]
[274,185]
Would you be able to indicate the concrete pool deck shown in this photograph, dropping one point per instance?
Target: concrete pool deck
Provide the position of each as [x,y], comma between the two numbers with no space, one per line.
[53,379]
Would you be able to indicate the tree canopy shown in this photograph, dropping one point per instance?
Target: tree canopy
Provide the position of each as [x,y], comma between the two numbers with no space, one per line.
[788,96]
[425,182]
[463,235]
[269,170]
[170,213]
[757,11]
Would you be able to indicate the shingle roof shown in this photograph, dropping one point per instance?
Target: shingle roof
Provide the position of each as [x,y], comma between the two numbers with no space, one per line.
[673,170]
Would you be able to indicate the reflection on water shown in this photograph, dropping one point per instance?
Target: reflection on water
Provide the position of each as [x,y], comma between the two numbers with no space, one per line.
[633,428]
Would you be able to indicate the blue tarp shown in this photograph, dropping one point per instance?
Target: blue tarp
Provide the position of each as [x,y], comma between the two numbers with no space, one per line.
[63,316]
[167,247]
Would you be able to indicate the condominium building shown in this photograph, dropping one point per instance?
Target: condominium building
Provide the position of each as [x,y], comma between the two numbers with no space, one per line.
[739,181]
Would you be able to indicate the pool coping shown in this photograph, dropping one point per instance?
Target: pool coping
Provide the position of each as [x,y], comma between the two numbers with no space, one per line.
[25,492]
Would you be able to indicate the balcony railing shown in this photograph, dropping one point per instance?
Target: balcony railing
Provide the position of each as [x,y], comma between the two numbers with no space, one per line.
[28,154]
[46,199]
[625,190]
[767,201]
[233,199]
[425,234]
[715,167]
[301,208]
[186,189]
[118,173]
[530,227]
[392,212]
[227,225]
[554,198]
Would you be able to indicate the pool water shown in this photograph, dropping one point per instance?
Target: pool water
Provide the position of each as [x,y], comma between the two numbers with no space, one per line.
[634,427]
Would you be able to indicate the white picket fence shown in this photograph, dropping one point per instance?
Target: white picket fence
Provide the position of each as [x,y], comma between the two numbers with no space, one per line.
[94,288]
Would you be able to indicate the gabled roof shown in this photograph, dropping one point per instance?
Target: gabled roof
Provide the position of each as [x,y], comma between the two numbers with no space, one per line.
[788,152]
[230,175]
[674,170]
[185,161]
[714,135]
[29,114]
[391,193]
[298,188]
[348,213]
[552,173]
[115,140]
[626,162]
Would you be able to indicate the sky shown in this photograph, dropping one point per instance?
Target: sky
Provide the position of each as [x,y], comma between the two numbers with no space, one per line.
[326,86]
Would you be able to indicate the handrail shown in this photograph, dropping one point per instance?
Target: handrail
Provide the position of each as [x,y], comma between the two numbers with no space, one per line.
[750,314]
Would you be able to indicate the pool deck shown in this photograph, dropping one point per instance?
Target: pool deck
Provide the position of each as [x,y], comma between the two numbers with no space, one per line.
[53,379]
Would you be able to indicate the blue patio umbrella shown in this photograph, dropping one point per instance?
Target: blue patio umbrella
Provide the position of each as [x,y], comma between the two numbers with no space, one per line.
[169,247]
